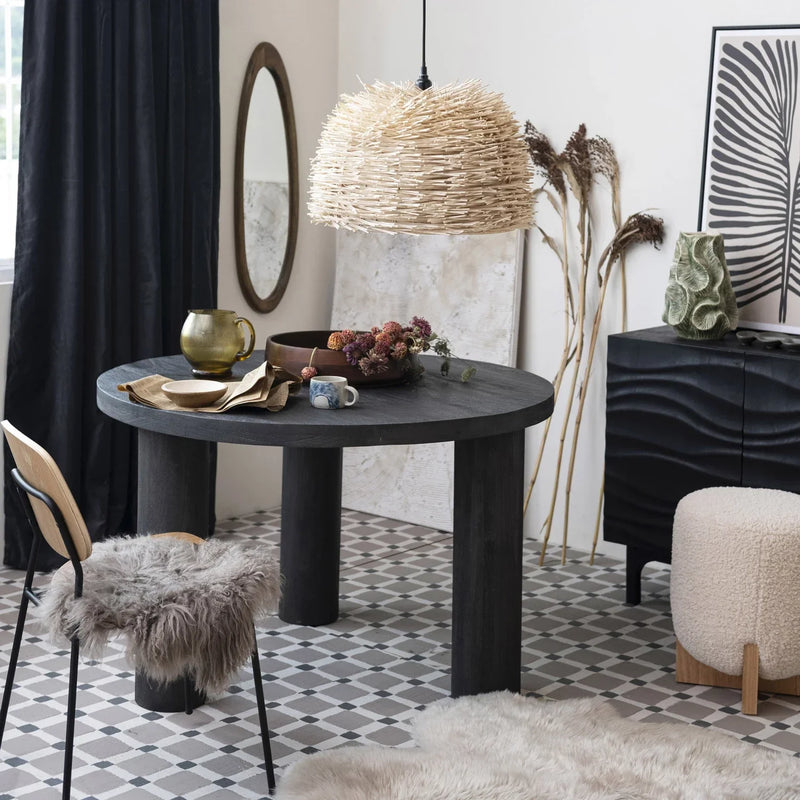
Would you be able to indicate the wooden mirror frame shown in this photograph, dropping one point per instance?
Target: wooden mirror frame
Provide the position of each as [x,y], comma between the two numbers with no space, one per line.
[265,55]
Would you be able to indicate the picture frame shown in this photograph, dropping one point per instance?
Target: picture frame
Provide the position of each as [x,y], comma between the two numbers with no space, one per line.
[750,179]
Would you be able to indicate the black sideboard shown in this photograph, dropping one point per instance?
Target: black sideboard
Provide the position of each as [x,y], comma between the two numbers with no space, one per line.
[683,415]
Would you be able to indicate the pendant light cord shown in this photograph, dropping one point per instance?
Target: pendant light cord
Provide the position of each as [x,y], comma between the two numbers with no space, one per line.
[423,81]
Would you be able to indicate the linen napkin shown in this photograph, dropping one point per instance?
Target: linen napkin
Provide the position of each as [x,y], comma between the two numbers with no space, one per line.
[267,386]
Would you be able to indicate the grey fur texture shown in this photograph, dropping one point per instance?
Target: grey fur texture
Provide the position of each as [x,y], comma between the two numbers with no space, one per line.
[182,607]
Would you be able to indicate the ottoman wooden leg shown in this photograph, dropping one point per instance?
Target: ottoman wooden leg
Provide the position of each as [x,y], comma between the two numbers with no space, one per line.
[689,670]
[750,679]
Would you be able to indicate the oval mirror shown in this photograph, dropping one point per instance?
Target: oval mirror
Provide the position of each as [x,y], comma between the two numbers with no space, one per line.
[266,195]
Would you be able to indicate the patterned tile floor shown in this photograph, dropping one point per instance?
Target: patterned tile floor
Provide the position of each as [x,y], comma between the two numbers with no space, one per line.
[360,680]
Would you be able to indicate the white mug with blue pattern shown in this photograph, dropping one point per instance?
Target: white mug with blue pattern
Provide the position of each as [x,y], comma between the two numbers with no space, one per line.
[330,391]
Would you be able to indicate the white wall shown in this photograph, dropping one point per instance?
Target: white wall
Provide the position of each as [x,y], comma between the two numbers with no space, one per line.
[304,32]
[635,72]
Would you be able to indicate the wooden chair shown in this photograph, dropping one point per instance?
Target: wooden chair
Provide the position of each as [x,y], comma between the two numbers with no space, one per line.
[54,516]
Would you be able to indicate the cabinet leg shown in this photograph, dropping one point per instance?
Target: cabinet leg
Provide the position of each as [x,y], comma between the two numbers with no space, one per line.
[635,560]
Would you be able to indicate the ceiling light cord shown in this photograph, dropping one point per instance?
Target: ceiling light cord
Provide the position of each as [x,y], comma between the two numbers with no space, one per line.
[423,82]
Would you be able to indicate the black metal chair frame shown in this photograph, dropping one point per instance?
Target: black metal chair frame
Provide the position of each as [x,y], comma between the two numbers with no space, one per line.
[29,596]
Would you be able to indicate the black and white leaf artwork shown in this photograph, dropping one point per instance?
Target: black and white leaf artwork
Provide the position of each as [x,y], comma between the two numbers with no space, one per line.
[753,181]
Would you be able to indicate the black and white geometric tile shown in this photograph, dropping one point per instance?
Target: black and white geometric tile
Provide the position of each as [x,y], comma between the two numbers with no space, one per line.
[361,679]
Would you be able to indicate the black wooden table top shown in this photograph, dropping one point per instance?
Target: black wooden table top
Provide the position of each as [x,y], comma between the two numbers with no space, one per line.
[435,409]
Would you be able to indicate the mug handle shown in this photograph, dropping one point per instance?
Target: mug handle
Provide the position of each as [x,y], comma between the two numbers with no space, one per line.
[355,396]
[246,353]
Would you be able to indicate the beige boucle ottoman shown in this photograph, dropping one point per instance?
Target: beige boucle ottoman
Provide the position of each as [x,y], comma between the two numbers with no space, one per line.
[735,590]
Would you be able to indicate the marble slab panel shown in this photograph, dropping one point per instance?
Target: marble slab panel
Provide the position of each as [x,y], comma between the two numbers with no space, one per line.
[468,288]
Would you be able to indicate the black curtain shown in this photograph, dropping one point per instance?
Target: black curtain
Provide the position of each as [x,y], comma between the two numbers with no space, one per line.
[117,227]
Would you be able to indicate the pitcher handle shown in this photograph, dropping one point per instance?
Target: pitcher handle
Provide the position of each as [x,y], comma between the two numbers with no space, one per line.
[247,352]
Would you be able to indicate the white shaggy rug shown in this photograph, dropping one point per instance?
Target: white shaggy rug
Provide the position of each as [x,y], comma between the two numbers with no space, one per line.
[503,746]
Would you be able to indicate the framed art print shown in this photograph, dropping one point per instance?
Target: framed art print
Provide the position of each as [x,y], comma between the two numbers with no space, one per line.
[751,170]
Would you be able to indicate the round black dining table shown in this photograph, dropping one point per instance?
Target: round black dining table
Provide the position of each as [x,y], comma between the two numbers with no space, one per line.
[485,417]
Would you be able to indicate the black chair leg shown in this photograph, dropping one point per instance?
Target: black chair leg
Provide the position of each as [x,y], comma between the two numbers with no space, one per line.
[12,664]
[262,717]
[70,732]
[27,595]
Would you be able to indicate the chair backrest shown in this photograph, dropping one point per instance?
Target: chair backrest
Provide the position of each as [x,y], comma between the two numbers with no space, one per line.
[39,469]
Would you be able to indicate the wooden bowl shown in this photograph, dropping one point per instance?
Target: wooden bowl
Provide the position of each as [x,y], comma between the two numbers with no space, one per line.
[194,393]
[293,350]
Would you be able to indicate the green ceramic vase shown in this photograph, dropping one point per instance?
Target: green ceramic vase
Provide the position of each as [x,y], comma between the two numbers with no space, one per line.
[699,302]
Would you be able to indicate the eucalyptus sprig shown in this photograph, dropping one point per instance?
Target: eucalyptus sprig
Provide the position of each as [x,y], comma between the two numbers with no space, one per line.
[441,347]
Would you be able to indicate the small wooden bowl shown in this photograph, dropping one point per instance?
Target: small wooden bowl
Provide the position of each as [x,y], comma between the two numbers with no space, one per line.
[194,393]
[293,351]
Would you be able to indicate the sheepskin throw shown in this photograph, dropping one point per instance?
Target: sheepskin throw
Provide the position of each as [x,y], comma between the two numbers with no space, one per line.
[506,747]
[182,607]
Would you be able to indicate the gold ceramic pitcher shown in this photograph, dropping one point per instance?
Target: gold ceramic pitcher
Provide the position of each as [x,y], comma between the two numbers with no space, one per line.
[212,340]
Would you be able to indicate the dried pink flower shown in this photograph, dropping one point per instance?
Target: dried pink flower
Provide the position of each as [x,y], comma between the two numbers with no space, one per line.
[365,341]
[393,329]
[370,351]
[336,341]
[421,326]
[399,351]
[383,346]
[373,364]
[352,353]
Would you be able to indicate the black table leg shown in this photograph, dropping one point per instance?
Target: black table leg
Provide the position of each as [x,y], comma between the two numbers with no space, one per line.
[487,564]
[175,484]
[167,697]
[311,521]
[175,494]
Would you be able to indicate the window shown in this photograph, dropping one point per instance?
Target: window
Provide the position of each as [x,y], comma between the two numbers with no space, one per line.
[11,14]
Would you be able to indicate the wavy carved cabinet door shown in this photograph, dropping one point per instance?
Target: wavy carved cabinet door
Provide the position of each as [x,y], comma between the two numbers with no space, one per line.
[771,437]
[674,418]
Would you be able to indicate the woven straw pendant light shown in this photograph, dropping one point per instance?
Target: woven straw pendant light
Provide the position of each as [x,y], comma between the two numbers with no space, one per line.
[412,158]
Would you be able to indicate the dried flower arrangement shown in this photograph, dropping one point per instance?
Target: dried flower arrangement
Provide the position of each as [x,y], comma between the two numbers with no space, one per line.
[574,172]
[373,351]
